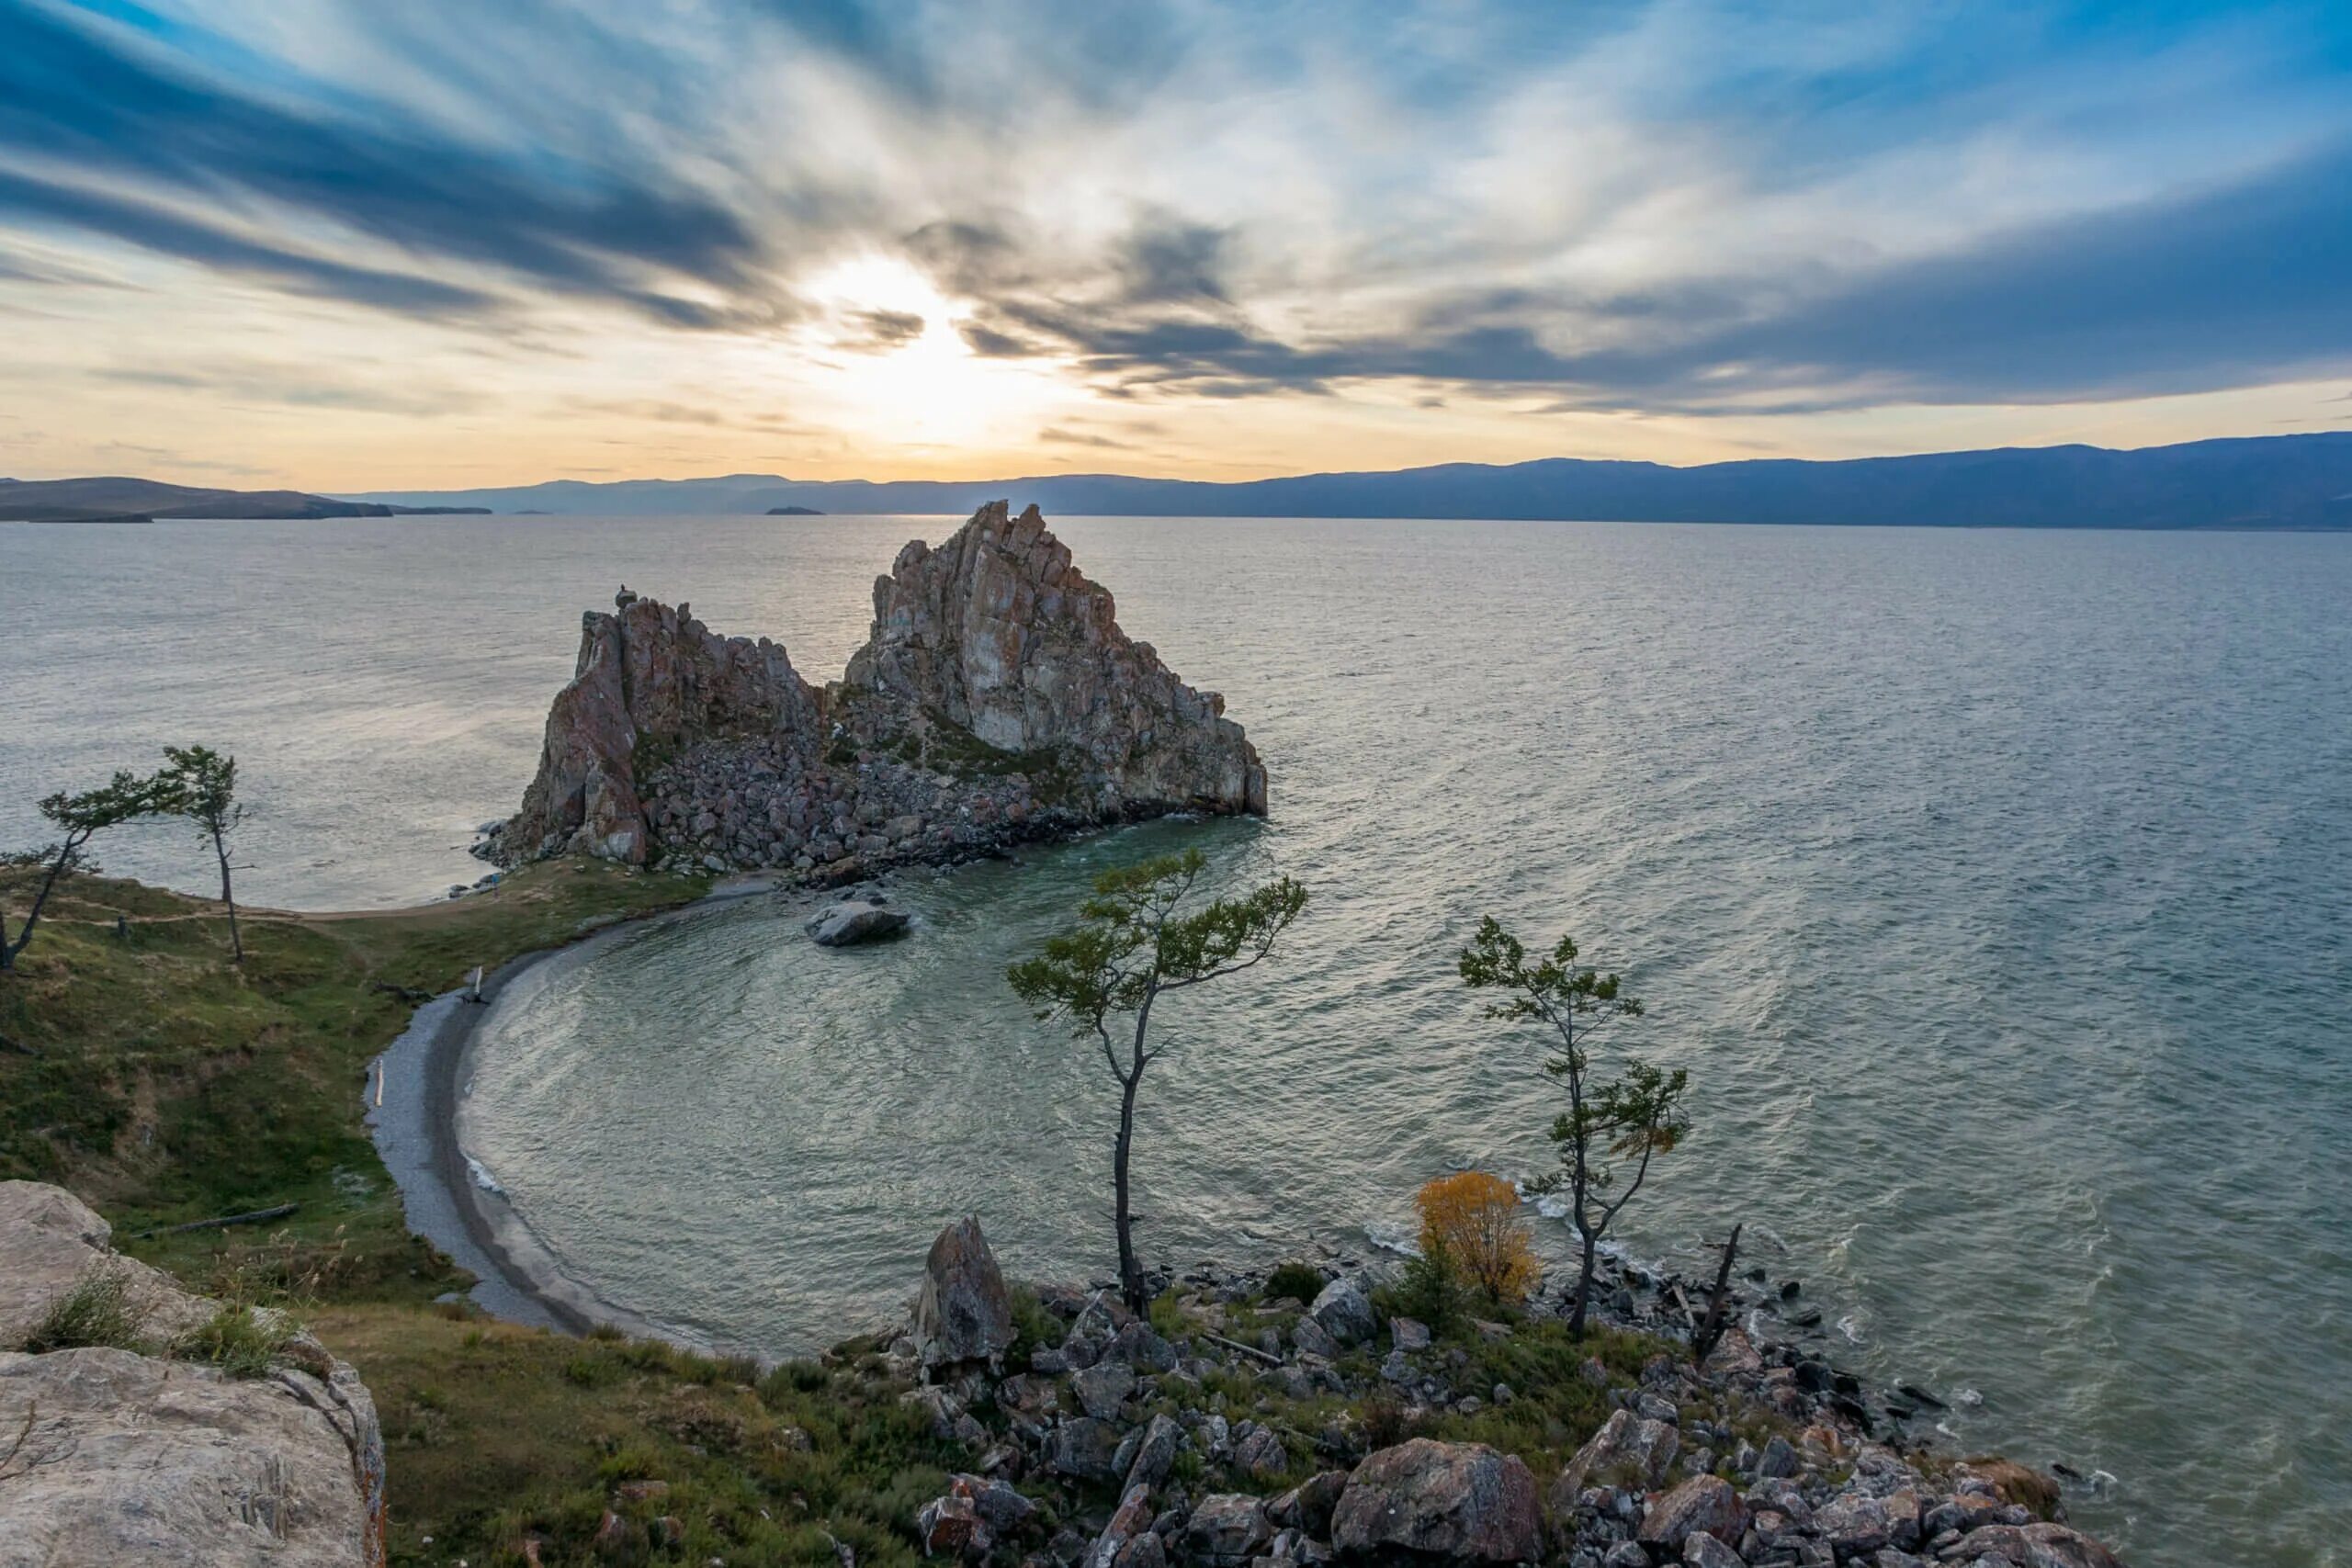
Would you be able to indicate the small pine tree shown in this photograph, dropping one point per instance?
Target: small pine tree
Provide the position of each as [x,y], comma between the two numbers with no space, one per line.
[81,818]
[201,785]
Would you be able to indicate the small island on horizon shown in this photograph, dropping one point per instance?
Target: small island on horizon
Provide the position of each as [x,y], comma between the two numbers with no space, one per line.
[793,512]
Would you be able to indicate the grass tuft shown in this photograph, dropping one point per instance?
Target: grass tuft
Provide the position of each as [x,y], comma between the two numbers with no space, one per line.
[98,1312]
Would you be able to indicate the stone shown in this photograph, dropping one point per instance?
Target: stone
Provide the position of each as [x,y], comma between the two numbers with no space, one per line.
[1626,1450]
[1084,1447]
[1703,1505]
[1103,1390]
[1463,1501]
[1227,1529]
[1778,1458]
[1409,1334]
[1344,1312]
[1308,1506]
[1156,1452]
[1137,1347]
[854,921]
[1703,1550]
[1312,1338]
[1130,1522]
[121,1458]
[2041,1545]
[964,1312]
[1261,1455]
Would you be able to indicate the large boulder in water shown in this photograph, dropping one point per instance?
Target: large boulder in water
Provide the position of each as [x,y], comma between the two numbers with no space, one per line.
[855,920]
[963,1313]
[1461,1501]
[119,1457]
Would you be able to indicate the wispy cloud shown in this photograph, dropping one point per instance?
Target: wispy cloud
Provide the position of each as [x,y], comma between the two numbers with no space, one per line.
[1672,208]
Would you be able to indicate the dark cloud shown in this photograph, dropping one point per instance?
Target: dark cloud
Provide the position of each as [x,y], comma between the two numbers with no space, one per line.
[156,228]
[2218,289]
[1165,260]
[76,97]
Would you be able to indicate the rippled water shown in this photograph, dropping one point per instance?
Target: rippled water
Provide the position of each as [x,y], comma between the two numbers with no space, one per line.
[1996,888]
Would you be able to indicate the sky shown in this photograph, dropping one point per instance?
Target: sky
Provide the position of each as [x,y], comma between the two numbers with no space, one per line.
[350,245]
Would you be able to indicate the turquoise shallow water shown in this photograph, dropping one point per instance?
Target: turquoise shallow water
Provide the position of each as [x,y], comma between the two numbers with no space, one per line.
[1996,888]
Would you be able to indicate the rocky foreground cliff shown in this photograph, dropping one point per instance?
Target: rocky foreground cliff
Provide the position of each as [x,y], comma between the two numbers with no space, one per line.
[145,1427]
[995,700]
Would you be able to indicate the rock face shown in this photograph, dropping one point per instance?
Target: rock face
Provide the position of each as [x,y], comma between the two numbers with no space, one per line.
[963,1313]
[113,1456]
[995,700]
[1462,1501]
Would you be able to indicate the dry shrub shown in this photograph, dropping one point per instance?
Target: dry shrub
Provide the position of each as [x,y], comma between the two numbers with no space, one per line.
[1473,1221]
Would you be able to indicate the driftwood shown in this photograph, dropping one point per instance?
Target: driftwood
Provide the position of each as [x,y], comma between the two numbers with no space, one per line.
[408,994]
[1245,1349]
[1703,1343]
[254,1217]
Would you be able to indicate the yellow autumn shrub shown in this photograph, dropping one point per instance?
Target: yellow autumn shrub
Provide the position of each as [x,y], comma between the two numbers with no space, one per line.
[1473,1219]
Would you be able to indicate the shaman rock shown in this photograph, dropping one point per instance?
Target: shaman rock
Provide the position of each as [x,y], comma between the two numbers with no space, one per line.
[995,701]
[963,1313]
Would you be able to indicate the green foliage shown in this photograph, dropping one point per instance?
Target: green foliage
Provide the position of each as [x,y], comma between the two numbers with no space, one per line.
[1634,1117]
[1131,945]
[241,1340]
[1033,1328]
[1429,1290]
[1299,1281]
[126,798]
[97,1312]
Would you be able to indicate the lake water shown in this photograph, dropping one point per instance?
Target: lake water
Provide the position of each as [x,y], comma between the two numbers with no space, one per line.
[1996,888]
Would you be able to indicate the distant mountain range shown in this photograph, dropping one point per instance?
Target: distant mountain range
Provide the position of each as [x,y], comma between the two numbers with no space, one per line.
[2279,481]
[2275,481]
[114,499]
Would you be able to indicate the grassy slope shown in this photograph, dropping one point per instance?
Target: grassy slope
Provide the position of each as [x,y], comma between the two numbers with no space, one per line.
[164,1084]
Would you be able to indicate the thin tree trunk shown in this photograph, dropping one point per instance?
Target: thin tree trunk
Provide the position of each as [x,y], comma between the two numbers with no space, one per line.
[1130,1272]
[1584,1286]
[236,944]
[8,950]
[1712,1329]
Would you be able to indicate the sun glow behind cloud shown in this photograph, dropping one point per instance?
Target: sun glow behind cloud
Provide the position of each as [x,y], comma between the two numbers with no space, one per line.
[346,245]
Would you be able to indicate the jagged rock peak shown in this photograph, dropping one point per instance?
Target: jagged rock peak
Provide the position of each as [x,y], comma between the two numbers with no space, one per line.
[999,635]
[996,700]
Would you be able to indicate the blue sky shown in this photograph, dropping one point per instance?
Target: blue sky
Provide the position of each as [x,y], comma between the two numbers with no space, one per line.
[344,244]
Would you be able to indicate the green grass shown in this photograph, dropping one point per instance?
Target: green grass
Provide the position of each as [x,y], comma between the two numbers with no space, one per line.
[162,1083]
[97,1312]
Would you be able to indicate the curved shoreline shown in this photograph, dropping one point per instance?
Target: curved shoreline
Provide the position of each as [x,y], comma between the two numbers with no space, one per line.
[413,1098]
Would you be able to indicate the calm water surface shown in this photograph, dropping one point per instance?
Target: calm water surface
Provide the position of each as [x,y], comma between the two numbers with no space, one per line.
[1996,888]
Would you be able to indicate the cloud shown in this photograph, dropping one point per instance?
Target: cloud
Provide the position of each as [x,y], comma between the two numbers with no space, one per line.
[883,330]
[1650,206]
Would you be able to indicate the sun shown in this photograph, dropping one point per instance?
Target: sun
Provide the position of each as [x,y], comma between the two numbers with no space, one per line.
[926,388]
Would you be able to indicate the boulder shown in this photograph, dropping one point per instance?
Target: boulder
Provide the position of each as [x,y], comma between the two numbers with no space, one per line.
[1344,1312]
[1703,1550]
[854,921]
[1085,1448]
[2043,1545]
[1702,1504]
[1261,1455]
[1103,1390]
[1463,1501]
[1226,1529]
[964,1313]
[1155,1452]
[1627,1451]
[1130,1524]
[119,1457]
[1308,1506]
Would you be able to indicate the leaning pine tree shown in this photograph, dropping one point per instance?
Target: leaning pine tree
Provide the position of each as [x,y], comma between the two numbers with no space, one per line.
[1131,947]
[201,785]
[1633,1117]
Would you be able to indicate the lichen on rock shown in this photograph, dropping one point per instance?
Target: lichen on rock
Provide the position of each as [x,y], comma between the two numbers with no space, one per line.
[995,700]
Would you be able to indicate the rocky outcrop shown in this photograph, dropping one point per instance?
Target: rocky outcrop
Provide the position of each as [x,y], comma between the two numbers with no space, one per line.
[121,1454]
[995,700]
[1463,1502]
[964,1312]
